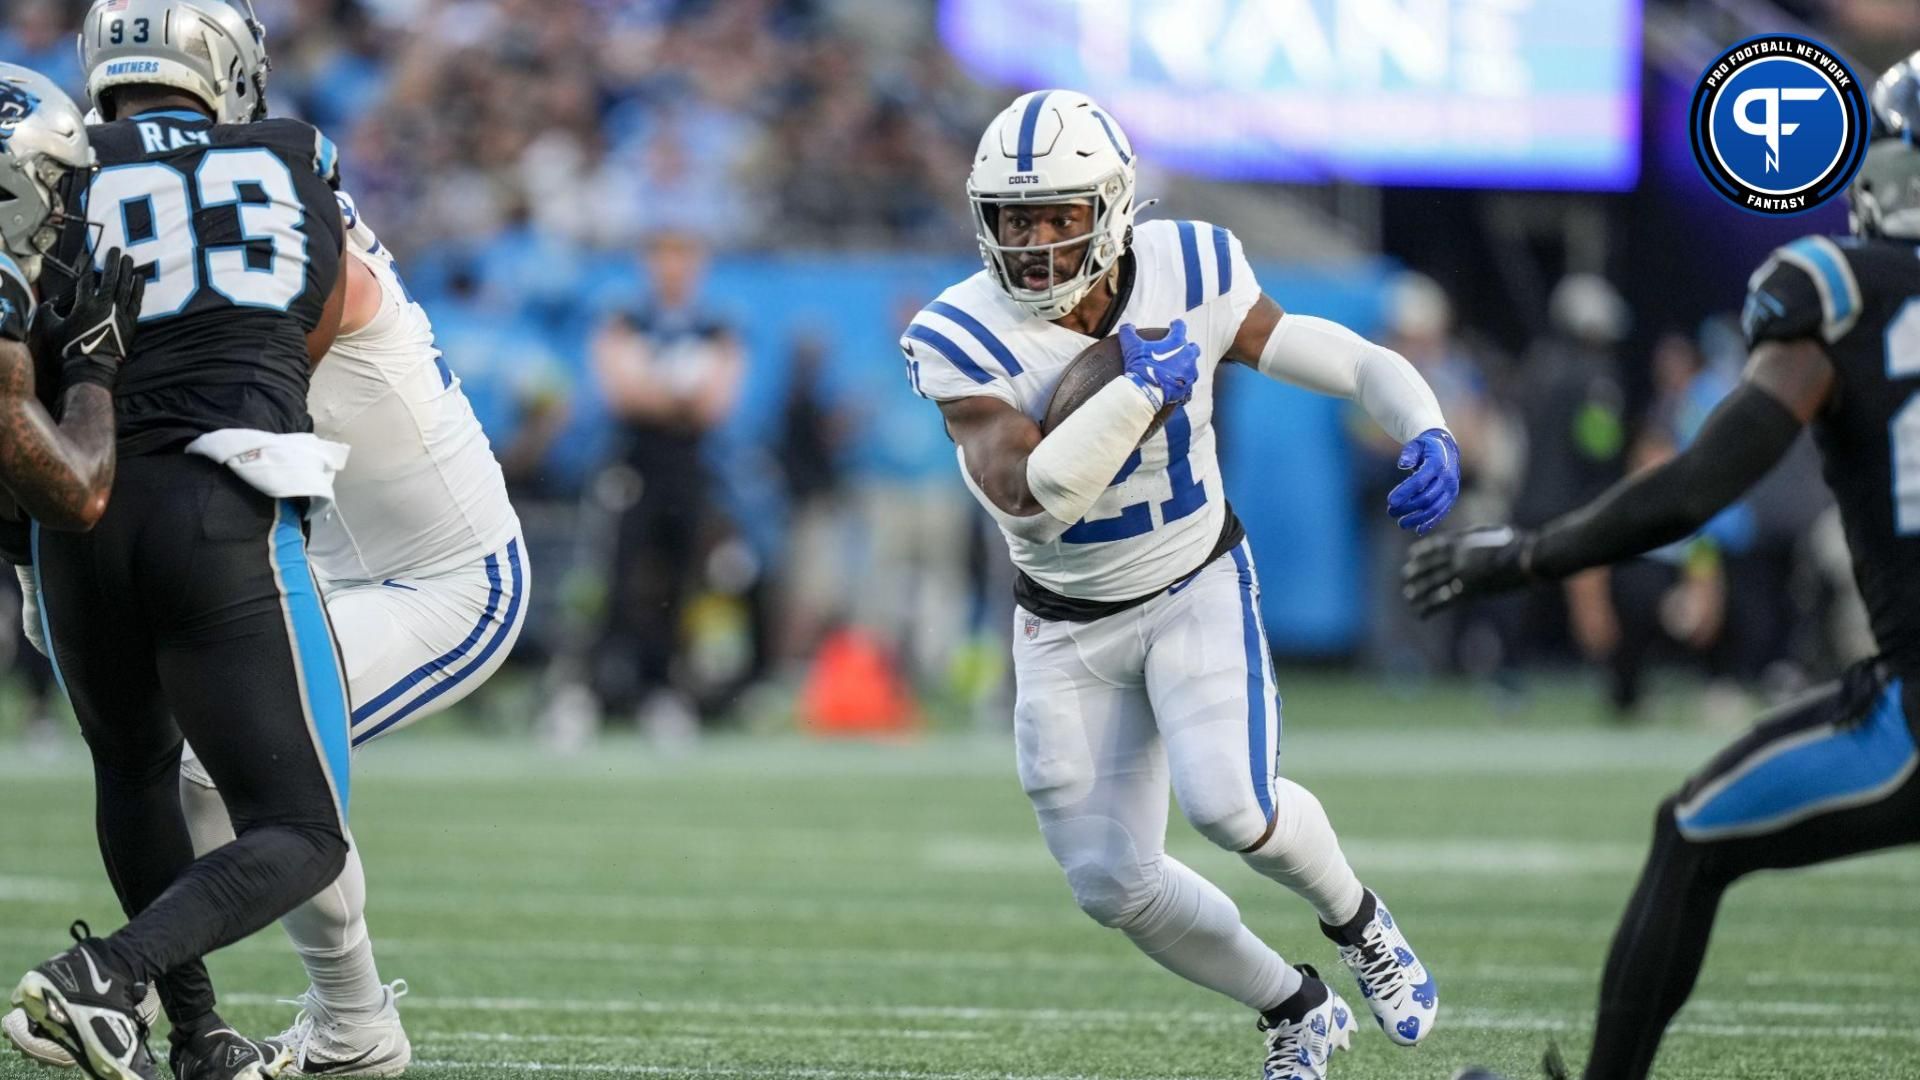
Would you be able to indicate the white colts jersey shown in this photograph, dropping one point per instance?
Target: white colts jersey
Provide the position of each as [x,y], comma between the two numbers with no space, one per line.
[1162,515]
[421,492]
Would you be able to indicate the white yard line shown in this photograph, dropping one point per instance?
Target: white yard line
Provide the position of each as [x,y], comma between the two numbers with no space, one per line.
[1068,1018]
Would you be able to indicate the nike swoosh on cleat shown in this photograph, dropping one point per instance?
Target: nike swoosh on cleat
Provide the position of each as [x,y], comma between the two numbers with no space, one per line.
[100,985]
[310,1067]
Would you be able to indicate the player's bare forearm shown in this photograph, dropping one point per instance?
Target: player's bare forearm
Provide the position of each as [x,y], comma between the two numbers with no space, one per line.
[1785,385]
[996,440]
[1251,339]
[59,474]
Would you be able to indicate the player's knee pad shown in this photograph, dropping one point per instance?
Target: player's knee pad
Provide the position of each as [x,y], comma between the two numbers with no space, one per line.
[1110,882]
[1234,820]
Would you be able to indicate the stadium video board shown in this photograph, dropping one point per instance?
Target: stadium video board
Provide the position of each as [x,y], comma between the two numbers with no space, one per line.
[1449,93]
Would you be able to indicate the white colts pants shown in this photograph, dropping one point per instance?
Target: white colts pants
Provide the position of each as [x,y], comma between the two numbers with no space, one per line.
[1108,711]
[1180,690]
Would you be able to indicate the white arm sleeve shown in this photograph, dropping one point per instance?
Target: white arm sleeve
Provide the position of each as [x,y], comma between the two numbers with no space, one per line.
[1074,464]
[1327,358]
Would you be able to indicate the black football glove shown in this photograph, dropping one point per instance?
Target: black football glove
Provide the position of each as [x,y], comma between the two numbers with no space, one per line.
[91,330]
[1442,570]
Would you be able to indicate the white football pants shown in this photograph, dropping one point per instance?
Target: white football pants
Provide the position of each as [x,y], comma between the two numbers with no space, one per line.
[1179,689]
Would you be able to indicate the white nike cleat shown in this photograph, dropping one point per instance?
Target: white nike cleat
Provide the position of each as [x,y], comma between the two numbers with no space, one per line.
[1392,979]
[1300,1047]
[38,1046]
[326,1045]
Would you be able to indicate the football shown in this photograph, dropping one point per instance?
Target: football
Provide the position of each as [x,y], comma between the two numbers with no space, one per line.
[1097,365]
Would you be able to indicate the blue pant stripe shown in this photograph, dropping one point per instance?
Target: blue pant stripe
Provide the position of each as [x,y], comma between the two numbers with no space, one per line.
[1822,769]
[1259,760]
[500,635]
[318,666]
[46,627]
[425,671]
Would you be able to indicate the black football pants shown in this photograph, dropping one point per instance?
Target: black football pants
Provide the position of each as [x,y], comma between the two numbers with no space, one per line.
[1829,776]
[190,610]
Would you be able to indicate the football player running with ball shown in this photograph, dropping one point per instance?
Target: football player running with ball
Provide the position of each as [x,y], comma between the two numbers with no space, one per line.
[1139,655]
[1834,330]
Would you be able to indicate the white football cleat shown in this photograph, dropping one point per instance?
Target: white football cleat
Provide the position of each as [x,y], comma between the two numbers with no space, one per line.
[326,1045]
[1392,979]
[1300,1049]
[33,1041]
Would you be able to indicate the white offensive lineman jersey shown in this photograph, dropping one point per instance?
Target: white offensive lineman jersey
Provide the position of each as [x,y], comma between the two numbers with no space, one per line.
[421,493]
[1160,518]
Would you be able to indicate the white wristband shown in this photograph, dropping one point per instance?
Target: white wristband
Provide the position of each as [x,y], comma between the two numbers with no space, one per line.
[1076,462]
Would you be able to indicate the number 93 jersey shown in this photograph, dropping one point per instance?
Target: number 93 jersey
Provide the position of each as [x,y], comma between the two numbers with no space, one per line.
[237,230]
[1859,300]
[1164,513]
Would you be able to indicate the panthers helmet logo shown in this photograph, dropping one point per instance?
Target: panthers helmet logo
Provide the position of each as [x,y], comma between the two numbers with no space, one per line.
[16,104]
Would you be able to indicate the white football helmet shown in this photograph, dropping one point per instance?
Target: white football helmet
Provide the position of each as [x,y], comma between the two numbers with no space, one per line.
[208,49]
[1053,146]
[42,138]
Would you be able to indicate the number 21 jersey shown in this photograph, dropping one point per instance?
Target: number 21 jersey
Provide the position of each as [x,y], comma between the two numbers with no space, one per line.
[1164,513]
[239,235]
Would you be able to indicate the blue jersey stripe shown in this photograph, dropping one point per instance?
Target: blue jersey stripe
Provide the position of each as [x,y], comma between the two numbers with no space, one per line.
[1028,122]
[1841,768]
[1223,260]
[1259,759]
[425,671]
[980,333]
[1125,158]
[313,649]
[955,354]
[1838,277]
[506,628]
[1190,258]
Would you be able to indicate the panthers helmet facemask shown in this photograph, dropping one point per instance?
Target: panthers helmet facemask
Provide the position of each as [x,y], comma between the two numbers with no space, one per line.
[1884,198]
[42,139]
[209,50]
[1052,147]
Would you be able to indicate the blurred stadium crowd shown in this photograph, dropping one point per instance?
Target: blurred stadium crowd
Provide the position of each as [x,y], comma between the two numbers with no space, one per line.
[558,177]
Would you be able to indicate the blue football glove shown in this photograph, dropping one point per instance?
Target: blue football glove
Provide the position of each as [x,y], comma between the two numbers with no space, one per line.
[1165,370]
[1421,500]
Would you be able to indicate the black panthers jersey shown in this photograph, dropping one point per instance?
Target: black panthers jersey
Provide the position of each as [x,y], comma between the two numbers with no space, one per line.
[238,232]
[1860,299]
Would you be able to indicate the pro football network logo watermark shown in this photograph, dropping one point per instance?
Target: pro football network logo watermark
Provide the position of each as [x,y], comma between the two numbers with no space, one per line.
[1779,124]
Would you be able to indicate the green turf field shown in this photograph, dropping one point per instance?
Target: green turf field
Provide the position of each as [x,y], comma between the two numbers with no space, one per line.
[782,908]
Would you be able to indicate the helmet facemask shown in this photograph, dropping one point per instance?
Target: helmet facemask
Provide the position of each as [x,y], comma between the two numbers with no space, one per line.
[1111,200]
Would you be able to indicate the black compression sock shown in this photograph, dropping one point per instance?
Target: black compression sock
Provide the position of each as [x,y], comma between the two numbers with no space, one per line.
[1311,995]
[1349,932]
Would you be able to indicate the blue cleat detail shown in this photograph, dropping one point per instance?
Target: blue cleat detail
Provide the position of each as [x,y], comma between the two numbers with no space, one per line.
[1426,993]
[1409,1028]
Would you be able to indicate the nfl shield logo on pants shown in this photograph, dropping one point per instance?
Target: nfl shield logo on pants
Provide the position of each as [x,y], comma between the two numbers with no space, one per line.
[1033,627]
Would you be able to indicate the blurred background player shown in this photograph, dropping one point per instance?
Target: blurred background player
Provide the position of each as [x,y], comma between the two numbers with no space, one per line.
[1139,654]
[191,607]
[1835,337]
[669,369]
